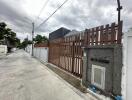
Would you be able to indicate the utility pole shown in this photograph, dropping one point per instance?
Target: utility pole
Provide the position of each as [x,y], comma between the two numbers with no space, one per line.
[119,10]
[32,37]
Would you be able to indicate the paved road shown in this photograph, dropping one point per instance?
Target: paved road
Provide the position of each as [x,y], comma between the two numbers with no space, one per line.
[24,78]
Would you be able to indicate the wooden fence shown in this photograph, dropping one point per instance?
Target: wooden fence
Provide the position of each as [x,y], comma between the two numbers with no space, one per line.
[67,52]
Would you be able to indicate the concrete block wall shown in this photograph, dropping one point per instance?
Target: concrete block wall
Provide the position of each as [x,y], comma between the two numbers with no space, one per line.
[112,57]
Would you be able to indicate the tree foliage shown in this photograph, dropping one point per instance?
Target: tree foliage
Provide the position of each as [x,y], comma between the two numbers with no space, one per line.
[7,35]
[25,43]
[40,39]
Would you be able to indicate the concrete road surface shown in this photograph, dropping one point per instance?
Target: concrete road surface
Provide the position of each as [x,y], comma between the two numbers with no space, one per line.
[24,78]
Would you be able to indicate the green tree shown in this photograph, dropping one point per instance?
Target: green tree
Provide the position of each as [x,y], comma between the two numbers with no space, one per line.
[40,39]
[17,42]
[25,43]
[2,30]
[8,36]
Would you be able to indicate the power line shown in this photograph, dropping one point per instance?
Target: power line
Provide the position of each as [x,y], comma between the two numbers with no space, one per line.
[51,15]
[42,9]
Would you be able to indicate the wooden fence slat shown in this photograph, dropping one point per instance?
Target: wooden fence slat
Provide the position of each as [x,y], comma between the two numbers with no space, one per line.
[106,34]
[113,33]
[85,37]
[97,35]
[73,53]
[88,37]
[92,37]
[119,35]
[101,35]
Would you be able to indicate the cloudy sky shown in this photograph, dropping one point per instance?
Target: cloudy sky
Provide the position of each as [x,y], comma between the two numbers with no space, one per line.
[75,14]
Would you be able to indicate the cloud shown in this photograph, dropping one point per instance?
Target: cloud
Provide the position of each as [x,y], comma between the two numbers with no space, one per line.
[75,14]
[85,14]
[15,17]
[91,13]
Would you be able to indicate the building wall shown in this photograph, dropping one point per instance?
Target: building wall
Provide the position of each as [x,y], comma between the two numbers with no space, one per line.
[41,53]
[59,33]
[108,57]
[3,49]
[127,68]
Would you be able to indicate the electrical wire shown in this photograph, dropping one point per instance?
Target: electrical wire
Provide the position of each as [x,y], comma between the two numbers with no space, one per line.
[50,15]
[42,9]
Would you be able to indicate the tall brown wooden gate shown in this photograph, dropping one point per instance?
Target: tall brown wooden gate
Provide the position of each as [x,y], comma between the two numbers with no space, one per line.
[67,52]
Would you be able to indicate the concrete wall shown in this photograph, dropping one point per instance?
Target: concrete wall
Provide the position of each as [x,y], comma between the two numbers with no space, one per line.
[29,49]
[109,57]
[3,50]
[127,68]
[41,53]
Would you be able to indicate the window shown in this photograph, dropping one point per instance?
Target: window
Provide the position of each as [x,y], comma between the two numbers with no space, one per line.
[98,76]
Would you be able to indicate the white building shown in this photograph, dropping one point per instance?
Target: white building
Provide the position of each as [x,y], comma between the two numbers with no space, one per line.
[3,50]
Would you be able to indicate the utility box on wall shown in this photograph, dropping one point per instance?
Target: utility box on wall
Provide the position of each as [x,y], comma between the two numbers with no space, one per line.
[102,68]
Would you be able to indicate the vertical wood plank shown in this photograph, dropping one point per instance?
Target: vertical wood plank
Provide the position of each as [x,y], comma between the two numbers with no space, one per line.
[119,35]
[88,37]
[113,33]
[101,34]
[73,45]
[97,35]
[92,37]
[106,34]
